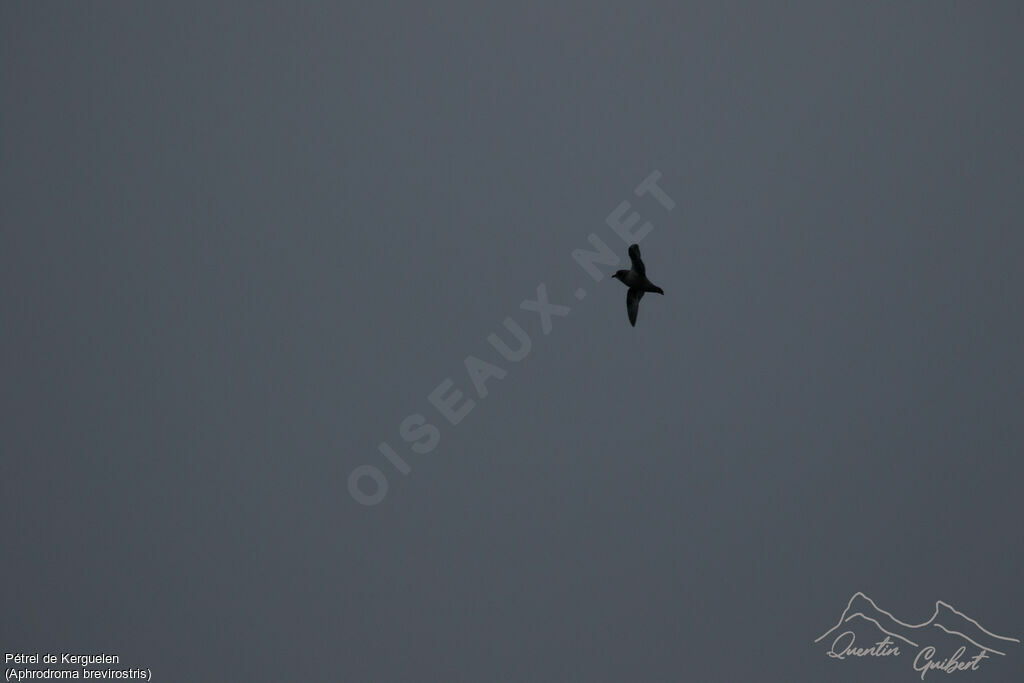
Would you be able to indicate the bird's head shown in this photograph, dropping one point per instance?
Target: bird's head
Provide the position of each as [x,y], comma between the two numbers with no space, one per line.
[621,275]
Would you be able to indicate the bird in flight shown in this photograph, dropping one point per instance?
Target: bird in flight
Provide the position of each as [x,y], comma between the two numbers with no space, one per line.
[636,279]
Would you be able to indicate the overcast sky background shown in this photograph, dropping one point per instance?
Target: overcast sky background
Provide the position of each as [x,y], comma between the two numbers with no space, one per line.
[241,245]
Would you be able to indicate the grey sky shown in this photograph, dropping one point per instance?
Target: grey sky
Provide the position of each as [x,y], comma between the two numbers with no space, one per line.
[240,246]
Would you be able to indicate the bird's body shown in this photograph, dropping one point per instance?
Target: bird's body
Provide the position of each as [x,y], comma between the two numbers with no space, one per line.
[636,280]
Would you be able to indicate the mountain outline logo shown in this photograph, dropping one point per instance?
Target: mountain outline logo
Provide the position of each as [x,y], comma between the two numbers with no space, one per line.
[946,624]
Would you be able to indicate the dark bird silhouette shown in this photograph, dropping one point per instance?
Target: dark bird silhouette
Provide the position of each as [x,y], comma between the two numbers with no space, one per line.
[636,280]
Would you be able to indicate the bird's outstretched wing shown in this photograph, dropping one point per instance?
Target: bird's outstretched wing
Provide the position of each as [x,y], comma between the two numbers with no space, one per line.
[634,256]
[633,297]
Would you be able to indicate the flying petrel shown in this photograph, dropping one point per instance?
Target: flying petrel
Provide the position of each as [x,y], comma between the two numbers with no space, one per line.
[636,280]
